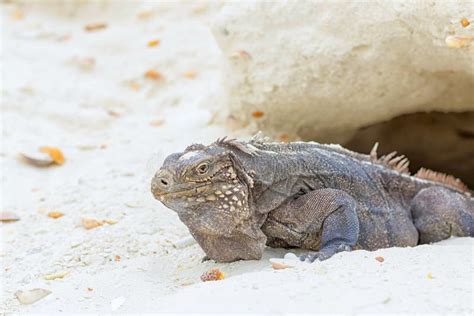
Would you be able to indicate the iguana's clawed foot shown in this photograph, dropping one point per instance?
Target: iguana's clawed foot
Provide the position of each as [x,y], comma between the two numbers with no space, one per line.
[324,253]
[205,258]
[309,257]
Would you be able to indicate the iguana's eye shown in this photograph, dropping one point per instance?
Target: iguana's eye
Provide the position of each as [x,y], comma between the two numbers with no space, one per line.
[203,168]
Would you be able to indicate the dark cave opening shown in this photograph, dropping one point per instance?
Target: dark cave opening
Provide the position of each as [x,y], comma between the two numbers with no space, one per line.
[439,141]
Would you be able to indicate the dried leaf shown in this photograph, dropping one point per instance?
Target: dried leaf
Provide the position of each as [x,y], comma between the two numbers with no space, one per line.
[157,123]
[54,153]
[92,27]
[429,275]
[145,14]
[31,296]
[55,214]
[458,41]
[380,259]
[465,22]
[57,275]
[257,114]
[90,289]
[154,43]
[190,74]
[8,217]
[153,75]
[212,275]
[90,223]
[133,85]
[110,221]
[17,14]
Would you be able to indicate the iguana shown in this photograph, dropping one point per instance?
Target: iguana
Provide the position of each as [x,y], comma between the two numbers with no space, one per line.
[236,197]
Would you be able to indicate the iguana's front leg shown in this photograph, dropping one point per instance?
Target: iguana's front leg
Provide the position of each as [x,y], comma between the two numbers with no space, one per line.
[327,214]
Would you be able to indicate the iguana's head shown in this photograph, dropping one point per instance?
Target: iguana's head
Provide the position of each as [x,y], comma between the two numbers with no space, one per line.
[209,190]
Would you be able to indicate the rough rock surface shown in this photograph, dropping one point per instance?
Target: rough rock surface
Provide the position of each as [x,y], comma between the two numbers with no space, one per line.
[322,69]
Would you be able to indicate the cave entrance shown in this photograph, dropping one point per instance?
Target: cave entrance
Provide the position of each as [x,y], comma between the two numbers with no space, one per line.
[439,141]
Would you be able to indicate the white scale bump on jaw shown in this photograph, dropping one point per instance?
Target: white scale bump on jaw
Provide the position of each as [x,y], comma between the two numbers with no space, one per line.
[188,155]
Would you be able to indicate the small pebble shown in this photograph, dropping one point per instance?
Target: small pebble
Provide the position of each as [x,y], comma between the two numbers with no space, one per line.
[290,256]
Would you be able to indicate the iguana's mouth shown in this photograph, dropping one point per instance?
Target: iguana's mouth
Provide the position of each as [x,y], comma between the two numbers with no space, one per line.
[181,193]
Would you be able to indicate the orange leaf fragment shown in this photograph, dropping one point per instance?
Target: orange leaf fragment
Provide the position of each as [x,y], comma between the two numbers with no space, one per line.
[154,43]
[258,114]
[117,258]
[144,14]
[54,153]
[190,74]
[17,14]
[134,85]
[92,27]
[55,214]
[109,221]
[153,74]
[157,123]
[380,259]
[212,275]
[90,223]
[465,22]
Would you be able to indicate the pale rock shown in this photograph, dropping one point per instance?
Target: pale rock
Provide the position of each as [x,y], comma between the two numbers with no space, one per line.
[323,69]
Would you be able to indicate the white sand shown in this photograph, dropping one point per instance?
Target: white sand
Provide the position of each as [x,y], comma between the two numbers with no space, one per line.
[48,98]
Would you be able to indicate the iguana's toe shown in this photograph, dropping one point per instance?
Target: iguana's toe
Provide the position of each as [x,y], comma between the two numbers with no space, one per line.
[309,257]
[324,253]
[330,251]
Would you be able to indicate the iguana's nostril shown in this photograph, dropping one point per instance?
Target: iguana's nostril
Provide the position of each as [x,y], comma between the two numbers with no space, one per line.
[162,181]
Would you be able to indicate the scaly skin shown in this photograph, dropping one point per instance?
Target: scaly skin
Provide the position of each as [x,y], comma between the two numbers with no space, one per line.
[236,197]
